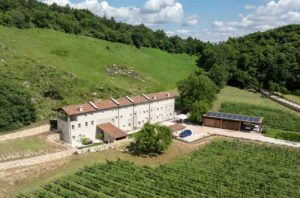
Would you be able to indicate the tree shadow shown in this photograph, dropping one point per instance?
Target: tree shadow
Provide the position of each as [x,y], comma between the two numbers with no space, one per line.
[133,150]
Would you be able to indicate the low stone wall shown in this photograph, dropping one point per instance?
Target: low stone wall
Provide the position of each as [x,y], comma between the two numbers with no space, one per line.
[101,147]
[25,133]
[280,100]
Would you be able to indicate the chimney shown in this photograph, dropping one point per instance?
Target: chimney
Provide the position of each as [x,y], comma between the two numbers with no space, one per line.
[154,97]
[80,108]
[168,94]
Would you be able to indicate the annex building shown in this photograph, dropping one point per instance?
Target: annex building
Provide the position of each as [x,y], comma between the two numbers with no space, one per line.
[113,117]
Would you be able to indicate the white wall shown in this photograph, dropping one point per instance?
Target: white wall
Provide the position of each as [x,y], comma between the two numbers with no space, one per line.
[126,118]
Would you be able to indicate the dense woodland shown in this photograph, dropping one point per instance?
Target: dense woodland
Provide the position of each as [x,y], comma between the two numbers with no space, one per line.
[268,59]
[30,13]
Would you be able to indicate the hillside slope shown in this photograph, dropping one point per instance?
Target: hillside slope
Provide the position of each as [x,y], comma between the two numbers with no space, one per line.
[59,68]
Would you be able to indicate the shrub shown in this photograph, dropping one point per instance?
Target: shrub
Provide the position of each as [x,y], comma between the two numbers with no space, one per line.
[153,138]
[100,136]
[86,141]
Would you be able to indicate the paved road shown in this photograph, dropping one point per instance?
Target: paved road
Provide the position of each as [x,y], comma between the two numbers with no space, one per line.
[203,131]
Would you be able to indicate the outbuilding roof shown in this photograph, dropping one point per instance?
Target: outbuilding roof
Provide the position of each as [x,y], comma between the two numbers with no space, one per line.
[236,117]
[112,130]
[113,103]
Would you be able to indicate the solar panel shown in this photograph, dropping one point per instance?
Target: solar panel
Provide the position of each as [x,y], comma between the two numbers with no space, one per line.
[230,116]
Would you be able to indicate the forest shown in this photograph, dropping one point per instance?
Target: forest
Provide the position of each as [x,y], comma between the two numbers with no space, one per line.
[269,60]
[31,13]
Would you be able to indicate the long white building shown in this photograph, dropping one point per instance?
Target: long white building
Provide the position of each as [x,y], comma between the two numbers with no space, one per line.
[113,117]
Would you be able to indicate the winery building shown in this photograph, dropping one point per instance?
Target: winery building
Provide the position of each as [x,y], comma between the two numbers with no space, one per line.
[113,117]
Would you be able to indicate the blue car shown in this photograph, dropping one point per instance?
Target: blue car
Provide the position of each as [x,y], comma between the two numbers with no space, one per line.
[185,133]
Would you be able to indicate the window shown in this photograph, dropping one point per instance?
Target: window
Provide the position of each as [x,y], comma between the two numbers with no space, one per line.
[92,122]
[79,125]
[129,124]
[73,137]
[86,123]
[157,108]
[73,126]
[121,116]
[131,114]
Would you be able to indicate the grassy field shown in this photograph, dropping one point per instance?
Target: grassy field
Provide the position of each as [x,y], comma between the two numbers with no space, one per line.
[220,169]
[80,68]
[236,95]
[293,98]
[26,147]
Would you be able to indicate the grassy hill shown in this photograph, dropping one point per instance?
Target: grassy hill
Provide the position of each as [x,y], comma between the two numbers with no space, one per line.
[59,68]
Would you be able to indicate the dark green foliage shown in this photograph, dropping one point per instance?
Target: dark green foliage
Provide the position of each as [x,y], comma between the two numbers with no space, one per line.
[153,139]
[274,118]
[26,14]
[219,75]
[268,59]
[221,169]
[195,88]
[198,109]
[17,108]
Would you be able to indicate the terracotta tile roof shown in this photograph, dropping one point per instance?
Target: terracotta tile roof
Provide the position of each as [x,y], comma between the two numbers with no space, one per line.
[112,130]
[176,127]
[105,104]
[139,99]
[124,101]
[108,104]
[74,109]
[160,95]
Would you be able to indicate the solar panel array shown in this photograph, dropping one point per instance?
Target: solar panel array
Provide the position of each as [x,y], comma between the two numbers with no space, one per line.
[229,116]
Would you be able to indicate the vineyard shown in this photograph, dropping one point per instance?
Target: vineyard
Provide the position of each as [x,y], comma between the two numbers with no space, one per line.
[274,118]
[221,169]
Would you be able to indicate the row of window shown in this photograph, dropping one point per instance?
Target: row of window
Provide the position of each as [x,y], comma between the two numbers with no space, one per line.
[79,124]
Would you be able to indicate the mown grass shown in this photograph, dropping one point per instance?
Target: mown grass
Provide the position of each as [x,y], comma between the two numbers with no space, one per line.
[20,147]
[220,169]
[293,98]
[236,95]
[43,60]
[282,134]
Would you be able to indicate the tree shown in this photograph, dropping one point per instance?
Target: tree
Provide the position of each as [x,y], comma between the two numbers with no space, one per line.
[219,75]
[153,139]
[198,109]
[193,89]
[16,109]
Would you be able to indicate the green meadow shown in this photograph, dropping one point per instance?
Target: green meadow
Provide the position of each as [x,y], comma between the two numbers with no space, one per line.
[81,68]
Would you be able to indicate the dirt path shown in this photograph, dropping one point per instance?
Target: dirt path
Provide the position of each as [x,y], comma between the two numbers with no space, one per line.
[25,133]
[36,160]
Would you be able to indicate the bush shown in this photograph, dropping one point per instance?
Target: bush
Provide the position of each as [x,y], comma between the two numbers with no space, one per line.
[86,141]
[100,136]
[198,109]
[153,138]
